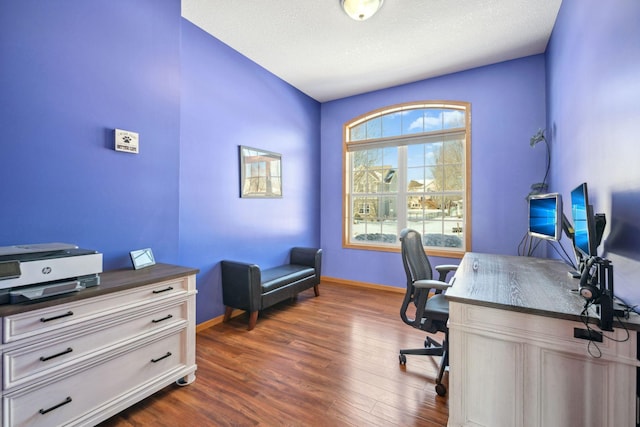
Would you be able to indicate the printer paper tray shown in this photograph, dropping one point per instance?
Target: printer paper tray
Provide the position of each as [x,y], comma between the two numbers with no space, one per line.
[32,293]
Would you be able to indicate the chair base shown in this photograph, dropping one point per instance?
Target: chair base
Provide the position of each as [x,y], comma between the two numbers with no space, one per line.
[431,348]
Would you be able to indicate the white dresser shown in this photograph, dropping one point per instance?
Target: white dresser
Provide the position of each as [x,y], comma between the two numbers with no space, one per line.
[514,360]
[80,359]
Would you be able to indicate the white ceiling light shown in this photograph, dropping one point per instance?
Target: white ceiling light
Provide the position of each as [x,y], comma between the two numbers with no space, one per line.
[361,10]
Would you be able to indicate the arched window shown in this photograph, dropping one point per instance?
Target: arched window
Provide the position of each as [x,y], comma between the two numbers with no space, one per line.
[409,166]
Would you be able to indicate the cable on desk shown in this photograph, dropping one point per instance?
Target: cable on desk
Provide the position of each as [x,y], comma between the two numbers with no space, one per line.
[584,316]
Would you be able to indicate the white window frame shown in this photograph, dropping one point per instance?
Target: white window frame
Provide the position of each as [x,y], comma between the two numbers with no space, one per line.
[402,195]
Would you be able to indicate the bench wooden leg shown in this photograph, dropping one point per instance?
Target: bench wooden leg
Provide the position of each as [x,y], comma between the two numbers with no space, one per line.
[227,314]
[253,318]
[316,290]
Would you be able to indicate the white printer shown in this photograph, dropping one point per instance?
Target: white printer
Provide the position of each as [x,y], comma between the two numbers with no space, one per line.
[31,272]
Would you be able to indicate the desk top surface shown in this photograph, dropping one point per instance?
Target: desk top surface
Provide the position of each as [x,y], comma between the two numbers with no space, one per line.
[110,281]
[525,284]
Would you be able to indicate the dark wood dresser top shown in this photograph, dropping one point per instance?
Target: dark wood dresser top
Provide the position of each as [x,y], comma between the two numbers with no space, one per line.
[110,281]
[526,284]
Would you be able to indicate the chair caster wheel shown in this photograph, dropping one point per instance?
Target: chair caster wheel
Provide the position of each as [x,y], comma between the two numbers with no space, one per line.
[403,359]
[441,389]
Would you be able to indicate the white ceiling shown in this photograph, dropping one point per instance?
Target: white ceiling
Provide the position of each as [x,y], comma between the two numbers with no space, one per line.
[314,46]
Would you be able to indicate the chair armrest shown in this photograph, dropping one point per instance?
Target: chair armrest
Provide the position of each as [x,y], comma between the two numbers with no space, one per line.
[241,287]
[431,284]
[445,269]
[311,257]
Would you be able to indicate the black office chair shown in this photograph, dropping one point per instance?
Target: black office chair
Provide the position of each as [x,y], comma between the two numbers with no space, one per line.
[426,294]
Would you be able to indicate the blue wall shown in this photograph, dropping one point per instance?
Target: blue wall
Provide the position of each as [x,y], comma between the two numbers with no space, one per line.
[71,72]
[228,101]
[507,108]
[593,61]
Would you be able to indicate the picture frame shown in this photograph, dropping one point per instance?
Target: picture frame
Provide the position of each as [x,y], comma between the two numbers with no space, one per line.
[142,258]
[260,173]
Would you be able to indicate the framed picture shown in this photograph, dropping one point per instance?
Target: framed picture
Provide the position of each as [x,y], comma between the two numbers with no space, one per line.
[142,258]
[260,173]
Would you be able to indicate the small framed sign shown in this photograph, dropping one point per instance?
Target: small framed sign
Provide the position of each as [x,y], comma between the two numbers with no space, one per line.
[142,258]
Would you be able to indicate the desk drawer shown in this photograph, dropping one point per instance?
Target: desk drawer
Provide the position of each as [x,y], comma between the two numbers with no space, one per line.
[25,325]
[73,400]
[28,364]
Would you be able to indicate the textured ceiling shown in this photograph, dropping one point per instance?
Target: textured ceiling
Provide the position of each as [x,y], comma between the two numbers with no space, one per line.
[314,46]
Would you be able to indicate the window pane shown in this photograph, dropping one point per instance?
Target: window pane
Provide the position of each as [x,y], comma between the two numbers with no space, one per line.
[359,171]
[433,180]
[374,157]
[387,210]
[374,128]
[389,170]
[453,119]
[392,124]
[375,170]
[363,209]
[453,152]
[443,240]
[415,180]
[415,155]
[376,176]
[389,181]
[453,178]
[358,133]
[358,159]
[375,219]
[453,234]
[433,153]
[453,207]
[413,121]
[433,120]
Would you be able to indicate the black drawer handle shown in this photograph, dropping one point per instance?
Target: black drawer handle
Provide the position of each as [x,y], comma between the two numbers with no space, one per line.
[44,411]
[169,316]
[45,358]
[49,319]
[159,291]
[160,358]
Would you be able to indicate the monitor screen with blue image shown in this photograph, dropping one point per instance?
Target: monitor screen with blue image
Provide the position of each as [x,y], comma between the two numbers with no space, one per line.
[545,216]
[583,221]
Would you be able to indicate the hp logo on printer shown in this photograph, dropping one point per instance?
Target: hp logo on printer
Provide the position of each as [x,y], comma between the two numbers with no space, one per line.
[46,270]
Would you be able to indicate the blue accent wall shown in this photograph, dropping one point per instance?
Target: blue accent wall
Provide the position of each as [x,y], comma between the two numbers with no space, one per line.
[228,101]
[507,108]
[593,110]
[72,72]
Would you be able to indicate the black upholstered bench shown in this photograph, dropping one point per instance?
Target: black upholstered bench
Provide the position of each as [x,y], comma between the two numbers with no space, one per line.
[247,287]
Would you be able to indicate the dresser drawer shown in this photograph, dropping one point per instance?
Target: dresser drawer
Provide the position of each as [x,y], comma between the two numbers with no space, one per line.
[73,400]
[25,325]
[28,364]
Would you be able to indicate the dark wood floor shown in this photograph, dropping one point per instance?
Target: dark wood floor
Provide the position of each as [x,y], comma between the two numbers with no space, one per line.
[326,361]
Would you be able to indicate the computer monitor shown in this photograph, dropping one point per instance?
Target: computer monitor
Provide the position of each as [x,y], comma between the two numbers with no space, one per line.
[545,216]
[583,221]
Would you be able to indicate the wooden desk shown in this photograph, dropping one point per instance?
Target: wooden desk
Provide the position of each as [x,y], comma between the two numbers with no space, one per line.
[513,357]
